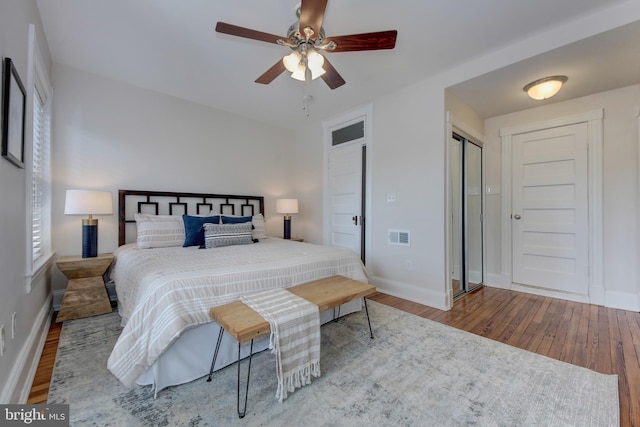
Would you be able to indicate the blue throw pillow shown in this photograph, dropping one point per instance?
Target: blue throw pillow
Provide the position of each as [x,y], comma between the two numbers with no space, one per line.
[236,219]
[194,233]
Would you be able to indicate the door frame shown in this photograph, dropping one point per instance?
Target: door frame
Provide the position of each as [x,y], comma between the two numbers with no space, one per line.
[364,113]
[451,126]
[594,121]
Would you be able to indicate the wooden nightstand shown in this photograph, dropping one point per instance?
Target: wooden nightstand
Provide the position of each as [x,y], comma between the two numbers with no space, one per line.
[86,294]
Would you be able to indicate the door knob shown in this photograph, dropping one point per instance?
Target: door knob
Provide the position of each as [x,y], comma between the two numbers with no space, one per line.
[355,219]
[517,216]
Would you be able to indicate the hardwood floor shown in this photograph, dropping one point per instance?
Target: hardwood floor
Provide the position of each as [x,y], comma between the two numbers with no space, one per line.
[40,387]
[603,339]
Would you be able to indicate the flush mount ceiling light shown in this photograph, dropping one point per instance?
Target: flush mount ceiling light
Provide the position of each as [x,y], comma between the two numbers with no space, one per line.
[545,88]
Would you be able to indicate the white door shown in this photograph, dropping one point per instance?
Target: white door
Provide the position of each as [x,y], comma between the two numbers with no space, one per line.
[550,209]
[345,196]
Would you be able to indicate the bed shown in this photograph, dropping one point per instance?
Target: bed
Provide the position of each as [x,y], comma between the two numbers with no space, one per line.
[165,290]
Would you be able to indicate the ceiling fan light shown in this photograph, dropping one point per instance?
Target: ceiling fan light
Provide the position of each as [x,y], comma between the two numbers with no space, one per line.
[291,61]
[316,72]
[545,88]
[314,59]
[299,73]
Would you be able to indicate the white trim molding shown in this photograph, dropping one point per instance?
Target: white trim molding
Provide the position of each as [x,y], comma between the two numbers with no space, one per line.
[42,266]
[18,385]
[411,292]
[594,121]
[448,230]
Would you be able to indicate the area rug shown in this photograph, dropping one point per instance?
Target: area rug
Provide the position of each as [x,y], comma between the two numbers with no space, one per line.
[414,372]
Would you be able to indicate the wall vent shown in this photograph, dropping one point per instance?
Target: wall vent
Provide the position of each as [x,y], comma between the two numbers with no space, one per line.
[399,237]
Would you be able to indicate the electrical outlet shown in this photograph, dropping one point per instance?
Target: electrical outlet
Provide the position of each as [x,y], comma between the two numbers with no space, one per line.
[409,264]
[13,325]
[2,340]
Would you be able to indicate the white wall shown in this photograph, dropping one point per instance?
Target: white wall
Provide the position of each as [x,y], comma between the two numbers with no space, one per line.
[407,157]
[108,135]
[308,182]
[33,309]
[620,163]
[408,160]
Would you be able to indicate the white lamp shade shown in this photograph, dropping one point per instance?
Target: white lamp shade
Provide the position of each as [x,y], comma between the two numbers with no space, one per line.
[88,202]
[287,206]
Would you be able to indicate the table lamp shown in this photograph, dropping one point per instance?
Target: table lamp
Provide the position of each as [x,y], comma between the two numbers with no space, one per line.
[87,202]
[287,207]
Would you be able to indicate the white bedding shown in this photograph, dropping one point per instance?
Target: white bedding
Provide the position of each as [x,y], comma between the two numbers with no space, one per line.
[163,293]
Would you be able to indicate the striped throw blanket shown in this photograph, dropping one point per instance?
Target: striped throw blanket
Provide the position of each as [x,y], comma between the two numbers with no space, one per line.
[295,336]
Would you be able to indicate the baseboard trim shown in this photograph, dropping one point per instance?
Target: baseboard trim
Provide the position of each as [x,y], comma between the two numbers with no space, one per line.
[622,300]
[494,280]
[18,385]
[436,299]
[612,299]
[551,293]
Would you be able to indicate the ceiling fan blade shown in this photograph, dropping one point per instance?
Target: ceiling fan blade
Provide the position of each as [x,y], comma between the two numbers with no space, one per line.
[365,41]
[331,77]
[234,30]
[311,15]
[273,72]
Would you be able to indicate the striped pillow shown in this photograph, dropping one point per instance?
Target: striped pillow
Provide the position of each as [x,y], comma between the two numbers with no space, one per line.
[159,231]
[218,235]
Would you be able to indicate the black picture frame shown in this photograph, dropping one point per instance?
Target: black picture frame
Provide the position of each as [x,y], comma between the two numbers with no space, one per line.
[14,103]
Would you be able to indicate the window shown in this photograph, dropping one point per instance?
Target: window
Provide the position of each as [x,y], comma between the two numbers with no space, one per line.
[347,133]
[39,172]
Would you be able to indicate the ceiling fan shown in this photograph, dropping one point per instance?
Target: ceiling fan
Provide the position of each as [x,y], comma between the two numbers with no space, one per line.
[306,39]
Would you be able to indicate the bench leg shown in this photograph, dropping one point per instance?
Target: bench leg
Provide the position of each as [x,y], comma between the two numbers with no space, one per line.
[336,317]
[242,413]
[368,320]
[215,353]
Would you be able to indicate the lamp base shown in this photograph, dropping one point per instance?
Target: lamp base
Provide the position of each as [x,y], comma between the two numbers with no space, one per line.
[287,227]
[89,238]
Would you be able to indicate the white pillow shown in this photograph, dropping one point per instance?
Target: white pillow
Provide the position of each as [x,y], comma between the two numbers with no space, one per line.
[159,231]
[259,231]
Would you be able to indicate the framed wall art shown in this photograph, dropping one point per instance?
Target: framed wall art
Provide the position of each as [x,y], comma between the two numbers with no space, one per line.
[14,100]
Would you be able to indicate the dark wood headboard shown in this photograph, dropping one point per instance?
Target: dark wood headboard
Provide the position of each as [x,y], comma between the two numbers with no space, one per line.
[131,202]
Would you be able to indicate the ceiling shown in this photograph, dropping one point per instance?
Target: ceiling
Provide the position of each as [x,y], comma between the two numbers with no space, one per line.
[608,61]
[170,46]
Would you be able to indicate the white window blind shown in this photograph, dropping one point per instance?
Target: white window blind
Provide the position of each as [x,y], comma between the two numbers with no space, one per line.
[41,176]
[39,248]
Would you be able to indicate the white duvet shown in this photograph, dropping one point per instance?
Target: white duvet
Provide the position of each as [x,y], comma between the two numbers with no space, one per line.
[163,292]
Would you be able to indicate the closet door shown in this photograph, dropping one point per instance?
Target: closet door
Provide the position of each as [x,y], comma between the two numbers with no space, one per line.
[455,167]
[473,214]
[466,215]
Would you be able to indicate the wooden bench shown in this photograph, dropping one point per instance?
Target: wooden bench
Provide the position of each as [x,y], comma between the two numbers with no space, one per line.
[244,324]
